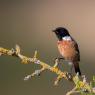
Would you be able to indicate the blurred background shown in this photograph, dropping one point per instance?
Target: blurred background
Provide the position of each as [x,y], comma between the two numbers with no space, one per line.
[30,24]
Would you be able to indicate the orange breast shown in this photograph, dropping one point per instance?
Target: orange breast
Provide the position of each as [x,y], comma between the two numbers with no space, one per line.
[67,50]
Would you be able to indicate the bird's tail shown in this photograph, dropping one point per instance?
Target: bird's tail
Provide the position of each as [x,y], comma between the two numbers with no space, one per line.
[76,67]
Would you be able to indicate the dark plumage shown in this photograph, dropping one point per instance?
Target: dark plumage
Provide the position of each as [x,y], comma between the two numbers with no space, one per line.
[61,32]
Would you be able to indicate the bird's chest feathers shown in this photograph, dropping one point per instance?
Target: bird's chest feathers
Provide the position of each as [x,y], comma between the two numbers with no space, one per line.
[66,47]
[66,42]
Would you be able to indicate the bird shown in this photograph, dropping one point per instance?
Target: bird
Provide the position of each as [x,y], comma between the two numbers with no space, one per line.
[68,48]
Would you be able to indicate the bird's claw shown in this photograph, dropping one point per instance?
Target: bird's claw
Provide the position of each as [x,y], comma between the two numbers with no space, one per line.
[69,76]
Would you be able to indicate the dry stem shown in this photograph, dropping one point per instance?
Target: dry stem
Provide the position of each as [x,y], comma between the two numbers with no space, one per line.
[79,85]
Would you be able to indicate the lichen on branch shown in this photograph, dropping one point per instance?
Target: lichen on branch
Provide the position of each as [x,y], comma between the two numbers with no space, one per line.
[81,86]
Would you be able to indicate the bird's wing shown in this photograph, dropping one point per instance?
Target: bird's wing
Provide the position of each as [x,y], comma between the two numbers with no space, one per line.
[77,50]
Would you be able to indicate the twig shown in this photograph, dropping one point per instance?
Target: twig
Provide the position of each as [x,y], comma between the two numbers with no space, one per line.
[80,85]
[73,91]
[27,60]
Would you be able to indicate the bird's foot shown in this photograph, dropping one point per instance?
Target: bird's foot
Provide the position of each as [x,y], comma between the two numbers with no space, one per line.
[56,61]
[69,76]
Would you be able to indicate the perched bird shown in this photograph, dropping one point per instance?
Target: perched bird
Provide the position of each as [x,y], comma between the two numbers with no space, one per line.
[68,47]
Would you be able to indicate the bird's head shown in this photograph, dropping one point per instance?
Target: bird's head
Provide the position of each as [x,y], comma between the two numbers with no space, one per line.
[61,32]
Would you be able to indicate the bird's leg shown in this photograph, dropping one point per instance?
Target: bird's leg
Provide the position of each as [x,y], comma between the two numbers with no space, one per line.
[56,61]
[71,67]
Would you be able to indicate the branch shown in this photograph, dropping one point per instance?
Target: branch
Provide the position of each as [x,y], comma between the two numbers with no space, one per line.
[27,60]
[73,91]
[80,85]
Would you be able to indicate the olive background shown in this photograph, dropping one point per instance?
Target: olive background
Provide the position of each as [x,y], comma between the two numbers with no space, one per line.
[29,23]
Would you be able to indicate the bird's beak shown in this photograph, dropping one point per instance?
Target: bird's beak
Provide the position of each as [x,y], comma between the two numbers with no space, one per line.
[53,30]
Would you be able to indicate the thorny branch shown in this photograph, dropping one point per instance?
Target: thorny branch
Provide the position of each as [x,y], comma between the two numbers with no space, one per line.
[80,85]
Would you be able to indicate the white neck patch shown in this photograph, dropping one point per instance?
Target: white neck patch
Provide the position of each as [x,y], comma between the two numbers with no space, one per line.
[67,38]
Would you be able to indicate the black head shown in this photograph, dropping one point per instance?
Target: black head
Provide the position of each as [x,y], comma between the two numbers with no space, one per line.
[61,32]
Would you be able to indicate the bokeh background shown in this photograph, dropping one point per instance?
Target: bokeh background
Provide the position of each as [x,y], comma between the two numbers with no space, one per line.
[29,24]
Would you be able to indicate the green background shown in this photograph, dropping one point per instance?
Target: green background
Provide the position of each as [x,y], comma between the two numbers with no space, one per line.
[29,24]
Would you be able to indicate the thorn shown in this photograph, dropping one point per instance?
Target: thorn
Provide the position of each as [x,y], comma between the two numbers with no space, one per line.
[35,54]
[17,47]
[27,77]
[56,62]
